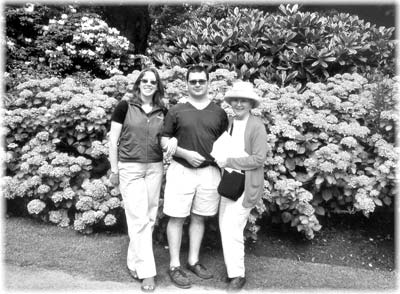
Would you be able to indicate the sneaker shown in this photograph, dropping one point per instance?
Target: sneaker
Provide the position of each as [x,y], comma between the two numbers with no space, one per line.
[236,284]
[179,277]
[200,270]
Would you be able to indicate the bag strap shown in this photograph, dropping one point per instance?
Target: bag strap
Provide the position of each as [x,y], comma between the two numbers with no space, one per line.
[230,132]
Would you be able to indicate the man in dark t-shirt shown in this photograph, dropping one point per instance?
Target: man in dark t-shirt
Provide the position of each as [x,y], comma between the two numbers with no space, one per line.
[193,176]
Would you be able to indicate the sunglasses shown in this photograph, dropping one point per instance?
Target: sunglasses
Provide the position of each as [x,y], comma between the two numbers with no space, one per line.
[194,82]
[144,81]
[241,100]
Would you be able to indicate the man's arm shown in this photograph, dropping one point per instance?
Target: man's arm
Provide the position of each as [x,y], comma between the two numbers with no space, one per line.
[192,157]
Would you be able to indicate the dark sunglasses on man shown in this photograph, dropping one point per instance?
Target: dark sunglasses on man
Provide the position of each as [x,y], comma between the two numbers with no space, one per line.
[194,82]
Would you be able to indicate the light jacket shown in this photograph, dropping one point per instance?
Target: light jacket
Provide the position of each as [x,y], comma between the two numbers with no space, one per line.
[140,135]
[255,144]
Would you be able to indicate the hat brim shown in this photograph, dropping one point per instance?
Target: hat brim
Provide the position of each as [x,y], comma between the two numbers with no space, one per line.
[255,102]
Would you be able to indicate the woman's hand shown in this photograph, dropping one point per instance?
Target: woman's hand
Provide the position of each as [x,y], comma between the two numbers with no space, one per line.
[114,179]
[170,146]
[221,162]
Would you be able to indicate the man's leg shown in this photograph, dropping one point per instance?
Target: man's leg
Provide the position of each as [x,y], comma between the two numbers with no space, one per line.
[205,203]
[196,232]
[178,196]
[174,235]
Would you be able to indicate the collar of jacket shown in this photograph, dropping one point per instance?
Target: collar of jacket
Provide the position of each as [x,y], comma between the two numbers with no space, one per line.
[156,108]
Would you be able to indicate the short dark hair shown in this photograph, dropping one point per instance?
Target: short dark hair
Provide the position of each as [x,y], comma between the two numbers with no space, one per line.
[158,95]
[197,68]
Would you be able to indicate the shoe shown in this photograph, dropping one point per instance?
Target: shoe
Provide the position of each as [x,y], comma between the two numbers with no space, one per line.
[200,270]
[179,277]
[148,285]
[236,284]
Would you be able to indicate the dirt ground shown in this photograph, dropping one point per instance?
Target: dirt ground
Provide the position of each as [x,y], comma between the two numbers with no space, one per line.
[347,241]
[344,240]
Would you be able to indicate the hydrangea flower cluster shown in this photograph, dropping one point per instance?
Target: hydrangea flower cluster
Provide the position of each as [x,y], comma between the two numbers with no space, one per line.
[99,149]
[363,202]
[36,206]
[110,220]
[85,221]
[85,37]
[95,189]
[59,217]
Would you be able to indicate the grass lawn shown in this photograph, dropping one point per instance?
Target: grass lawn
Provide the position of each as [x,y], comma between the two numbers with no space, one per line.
[101,257]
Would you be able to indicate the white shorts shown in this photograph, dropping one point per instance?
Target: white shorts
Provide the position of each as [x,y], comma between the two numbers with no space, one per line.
[191,190]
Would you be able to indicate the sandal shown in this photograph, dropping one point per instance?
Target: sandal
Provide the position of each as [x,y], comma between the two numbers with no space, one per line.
[148,285]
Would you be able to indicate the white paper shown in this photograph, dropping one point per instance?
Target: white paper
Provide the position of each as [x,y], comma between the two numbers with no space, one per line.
[225,147]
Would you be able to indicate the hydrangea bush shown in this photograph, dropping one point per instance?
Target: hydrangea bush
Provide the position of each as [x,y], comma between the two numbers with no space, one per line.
[59,40]
[82,41]
[323,143]
[332,147]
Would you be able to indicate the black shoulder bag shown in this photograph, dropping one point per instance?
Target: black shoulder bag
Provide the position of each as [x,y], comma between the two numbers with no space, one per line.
[231,185]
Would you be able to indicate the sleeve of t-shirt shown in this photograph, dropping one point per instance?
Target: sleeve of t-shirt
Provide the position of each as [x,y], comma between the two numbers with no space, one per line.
[120,112]
[169,124]
[224,123]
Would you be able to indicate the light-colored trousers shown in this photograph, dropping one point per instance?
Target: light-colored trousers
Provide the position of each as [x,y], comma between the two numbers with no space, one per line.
[232,221]
[140,185]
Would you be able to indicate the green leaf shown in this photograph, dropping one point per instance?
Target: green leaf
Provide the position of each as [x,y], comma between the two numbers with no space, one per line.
[330,59]
[302,177]
[80,136]
[312,146]
[286,217]
[387,200]
[319,210]
[295,221]
[330,179]
[319,180]
[327,195]
[290,163]
[81,149]
[317,227]
[378,202]
[348,192]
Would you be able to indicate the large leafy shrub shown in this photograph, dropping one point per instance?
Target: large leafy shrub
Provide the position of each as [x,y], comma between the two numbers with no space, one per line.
[332,147]
[285,47]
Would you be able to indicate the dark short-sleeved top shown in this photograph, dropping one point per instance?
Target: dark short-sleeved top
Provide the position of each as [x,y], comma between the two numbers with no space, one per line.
[195,129]
[120,112]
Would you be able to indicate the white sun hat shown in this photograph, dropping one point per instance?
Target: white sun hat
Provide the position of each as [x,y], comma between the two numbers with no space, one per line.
[244,90]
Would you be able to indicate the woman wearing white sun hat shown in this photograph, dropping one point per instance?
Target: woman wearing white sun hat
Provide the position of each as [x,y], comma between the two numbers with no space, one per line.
[249,133]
